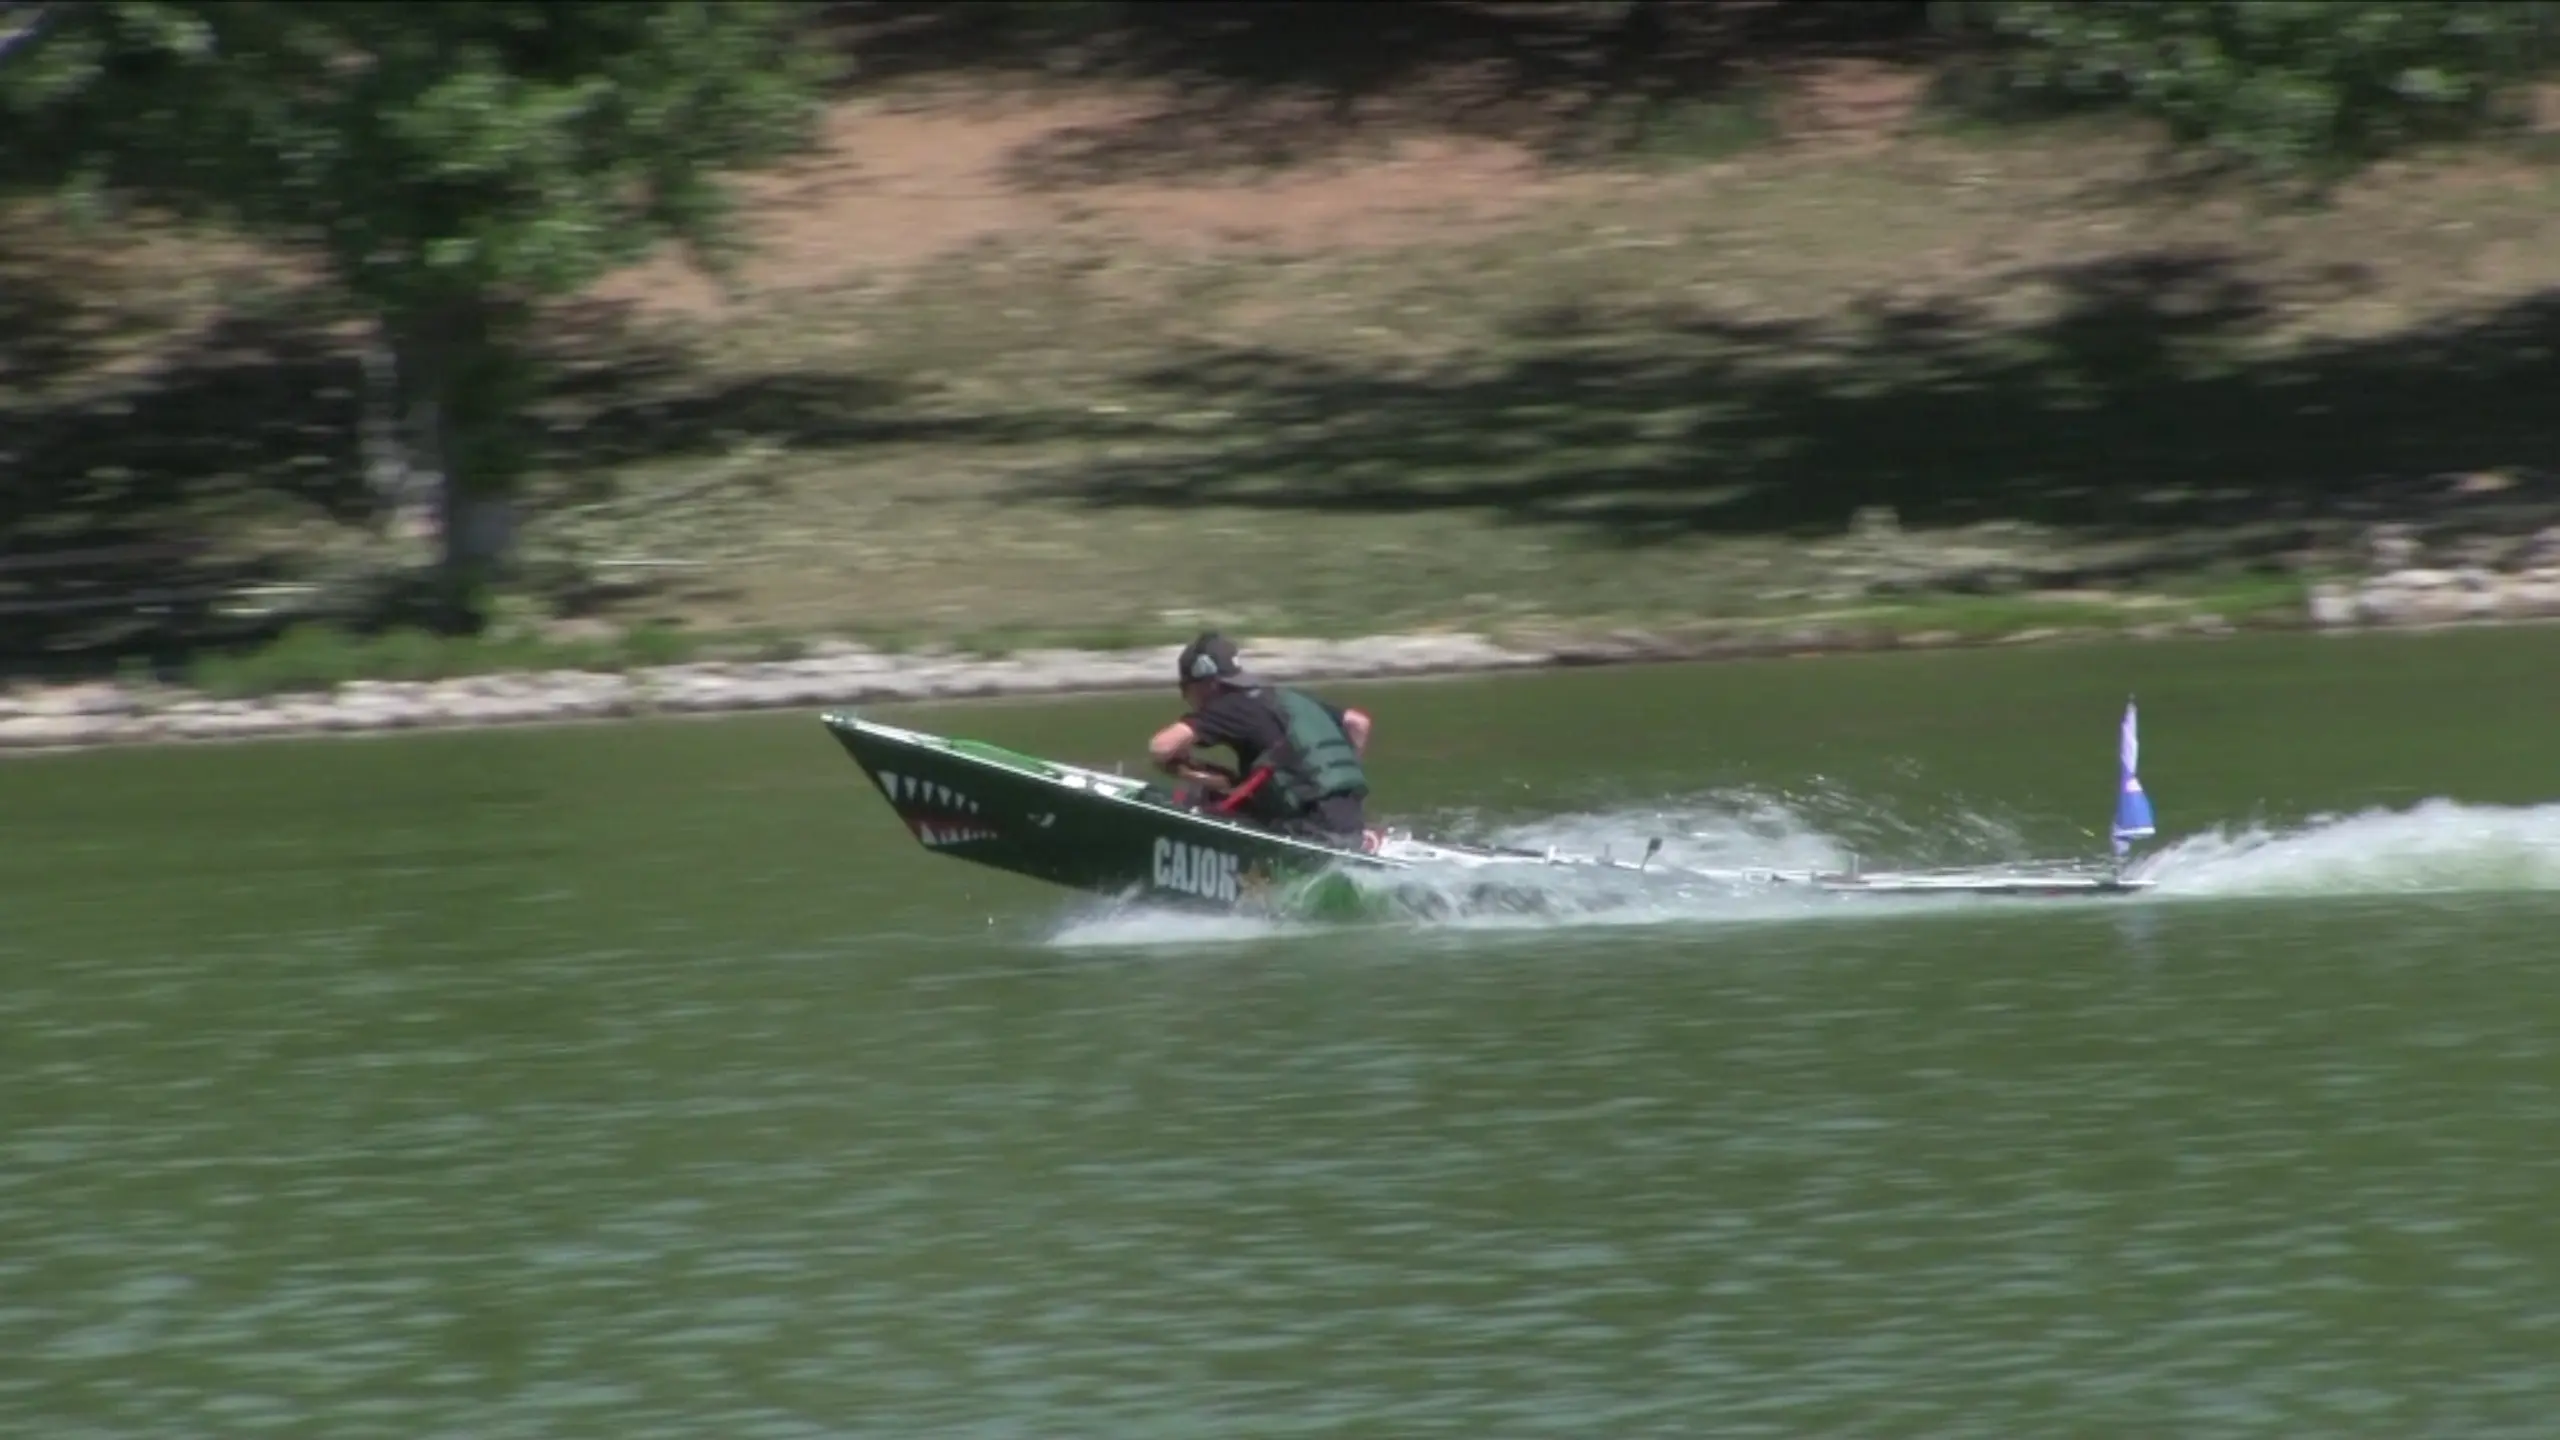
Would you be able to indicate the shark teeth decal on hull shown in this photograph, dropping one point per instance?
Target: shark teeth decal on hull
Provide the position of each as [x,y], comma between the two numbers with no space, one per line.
[940,816]
[939,834]
[905,791]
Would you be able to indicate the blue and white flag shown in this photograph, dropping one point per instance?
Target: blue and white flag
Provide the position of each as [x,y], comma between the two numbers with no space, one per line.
[2133,808]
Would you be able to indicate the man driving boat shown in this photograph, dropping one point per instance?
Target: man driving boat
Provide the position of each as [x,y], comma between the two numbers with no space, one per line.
[1298,758]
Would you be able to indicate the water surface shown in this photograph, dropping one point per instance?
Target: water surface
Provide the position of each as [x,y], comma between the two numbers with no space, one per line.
[647,1080]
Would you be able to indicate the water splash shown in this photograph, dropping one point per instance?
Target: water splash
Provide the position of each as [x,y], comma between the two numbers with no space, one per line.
[1114,924]
[1818,829]
[1823,826]
[2436,846]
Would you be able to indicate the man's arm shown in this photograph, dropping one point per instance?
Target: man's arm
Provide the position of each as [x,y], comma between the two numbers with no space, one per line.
[1355,723]
[1172,745]
[1171,751]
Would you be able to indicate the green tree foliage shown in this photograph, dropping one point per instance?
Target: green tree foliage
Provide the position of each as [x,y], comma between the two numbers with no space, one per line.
[450,164]
[2286,88]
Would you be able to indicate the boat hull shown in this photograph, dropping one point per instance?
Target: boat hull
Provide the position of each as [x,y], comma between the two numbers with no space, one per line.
[1109,835]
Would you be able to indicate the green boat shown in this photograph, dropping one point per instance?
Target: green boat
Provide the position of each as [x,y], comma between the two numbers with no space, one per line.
[1133,839]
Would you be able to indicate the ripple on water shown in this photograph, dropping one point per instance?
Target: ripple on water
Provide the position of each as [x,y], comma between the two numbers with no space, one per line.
[1982,1176]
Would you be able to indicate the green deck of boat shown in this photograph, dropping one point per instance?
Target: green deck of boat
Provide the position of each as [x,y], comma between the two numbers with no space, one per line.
[997,754]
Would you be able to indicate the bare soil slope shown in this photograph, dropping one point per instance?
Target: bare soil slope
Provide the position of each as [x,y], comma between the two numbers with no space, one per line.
[1077,361]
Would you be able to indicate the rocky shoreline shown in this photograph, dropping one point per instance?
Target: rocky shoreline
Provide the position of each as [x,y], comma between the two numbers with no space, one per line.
[2489,580]
[834,675]
[81,716]
[843,675]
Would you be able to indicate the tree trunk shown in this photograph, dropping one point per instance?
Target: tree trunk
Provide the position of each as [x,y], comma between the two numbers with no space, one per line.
[404,492]
[461,362]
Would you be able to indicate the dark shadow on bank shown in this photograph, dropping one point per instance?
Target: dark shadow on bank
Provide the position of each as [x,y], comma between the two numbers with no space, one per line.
[2143,408]
[137,512]
[115,498]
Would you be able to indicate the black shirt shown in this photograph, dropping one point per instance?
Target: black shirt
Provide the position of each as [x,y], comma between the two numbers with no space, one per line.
[1245,721]
[1249,723]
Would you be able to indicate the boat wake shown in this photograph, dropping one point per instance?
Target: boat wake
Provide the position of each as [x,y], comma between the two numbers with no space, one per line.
[1735,830]
[2434,847]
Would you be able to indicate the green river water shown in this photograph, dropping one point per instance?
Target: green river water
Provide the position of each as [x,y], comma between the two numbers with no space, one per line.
[649,1080]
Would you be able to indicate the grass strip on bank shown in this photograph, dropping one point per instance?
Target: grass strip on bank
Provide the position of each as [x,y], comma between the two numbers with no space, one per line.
[320,658]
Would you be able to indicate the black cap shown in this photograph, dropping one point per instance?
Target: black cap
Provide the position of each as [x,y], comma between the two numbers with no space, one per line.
[1210,657]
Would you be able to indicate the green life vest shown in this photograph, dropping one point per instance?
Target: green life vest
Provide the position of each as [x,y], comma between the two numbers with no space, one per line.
[1318,762]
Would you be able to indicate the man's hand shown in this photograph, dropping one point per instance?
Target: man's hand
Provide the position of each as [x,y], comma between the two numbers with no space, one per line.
[1211,776]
